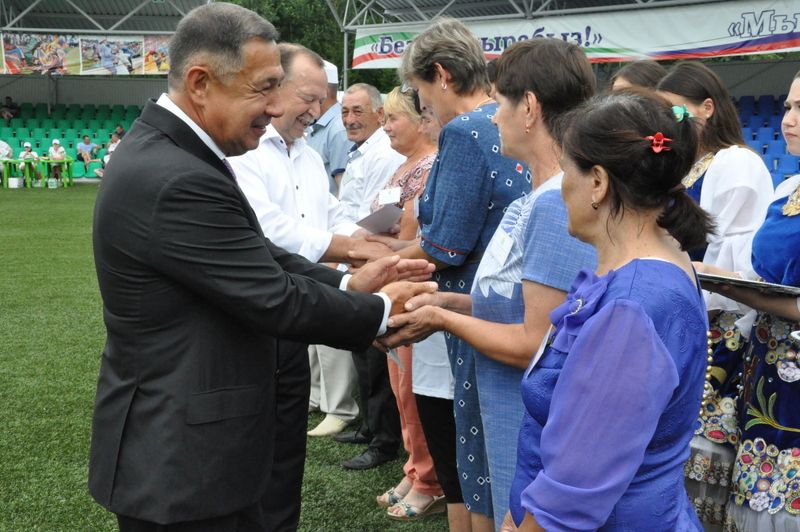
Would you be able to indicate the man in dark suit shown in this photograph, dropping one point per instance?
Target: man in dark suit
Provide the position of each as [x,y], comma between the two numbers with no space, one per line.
[202,312]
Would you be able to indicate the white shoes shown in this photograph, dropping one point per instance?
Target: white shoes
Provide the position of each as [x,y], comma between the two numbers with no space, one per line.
[328,427]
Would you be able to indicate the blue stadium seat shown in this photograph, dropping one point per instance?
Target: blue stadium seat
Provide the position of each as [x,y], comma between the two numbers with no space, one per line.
[755,122]
[776,147]
[765,135]
[747,103]
[777,178]
[747,133]
[756,146]
[766,105]
[774,122]
[788,165]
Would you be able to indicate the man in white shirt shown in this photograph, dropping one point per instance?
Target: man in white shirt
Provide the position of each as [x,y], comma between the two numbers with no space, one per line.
[286,184]
[372,163]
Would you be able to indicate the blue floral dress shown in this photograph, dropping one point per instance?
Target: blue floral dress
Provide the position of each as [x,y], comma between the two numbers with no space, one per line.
[611,405]
[766,479]
[468,190]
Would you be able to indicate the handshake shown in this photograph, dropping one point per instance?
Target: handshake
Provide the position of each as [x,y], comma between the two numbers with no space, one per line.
[401,280]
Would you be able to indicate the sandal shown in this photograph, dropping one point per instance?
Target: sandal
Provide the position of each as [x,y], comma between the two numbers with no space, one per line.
[411,513]
[389,498]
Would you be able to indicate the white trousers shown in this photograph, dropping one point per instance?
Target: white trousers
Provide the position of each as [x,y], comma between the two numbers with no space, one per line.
[333,380]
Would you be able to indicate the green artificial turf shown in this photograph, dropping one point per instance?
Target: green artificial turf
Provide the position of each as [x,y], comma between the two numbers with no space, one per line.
[51,336]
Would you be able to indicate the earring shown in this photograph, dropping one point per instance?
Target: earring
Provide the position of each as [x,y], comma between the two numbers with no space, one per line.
[595,205]
[527,130]
[444,86]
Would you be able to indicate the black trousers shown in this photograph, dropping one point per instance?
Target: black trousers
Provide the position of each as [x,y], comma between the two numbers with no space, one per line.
[279,507]
[439,426]
[381,420]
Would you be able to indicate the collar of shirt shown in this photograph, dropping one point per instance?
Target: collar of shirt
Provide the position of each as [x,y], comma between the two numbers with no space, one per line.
[335,110]
[375,139]
[170,106]
[271,136]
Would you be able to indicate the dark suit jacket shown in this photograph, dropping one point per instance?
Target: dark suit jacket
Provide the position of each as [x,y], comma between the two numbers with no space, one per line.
[195,302]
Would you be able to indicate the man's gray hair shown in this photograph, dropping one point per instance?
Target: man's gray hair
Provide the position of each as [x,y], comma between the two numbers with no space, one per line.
[374,94]
[213,35]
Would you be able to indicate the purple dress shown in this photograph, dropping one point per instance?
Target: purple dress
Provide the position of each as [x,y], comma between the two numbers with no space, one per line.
[611,404]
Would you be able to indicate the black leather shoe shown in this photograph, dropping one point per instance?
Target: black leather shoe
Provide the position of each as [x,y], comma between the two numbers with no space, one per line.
[369,459]
[354,436]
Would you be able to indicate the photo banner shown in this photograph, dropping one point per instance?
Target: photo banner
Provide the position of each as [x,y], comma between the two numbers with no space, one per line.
[85,55]
[667,33]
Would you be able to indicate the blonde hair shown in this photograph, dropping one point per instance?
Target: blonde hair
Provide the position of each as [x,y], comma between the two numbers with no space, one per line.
[400,102]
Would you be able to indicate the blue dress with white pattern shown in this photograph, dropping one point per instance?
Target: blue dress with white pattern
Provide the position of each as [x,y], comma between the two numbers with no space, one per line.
[468,190]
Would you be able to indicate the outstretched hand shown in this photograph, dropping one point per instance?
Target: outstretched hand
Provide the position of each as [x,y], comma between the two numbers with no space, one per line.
[371,277]
[411,327]
[402,291]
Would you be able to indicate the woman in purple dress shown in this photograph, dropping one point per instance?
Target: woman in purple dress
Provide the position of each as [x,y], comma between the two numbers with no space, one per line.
[612,395]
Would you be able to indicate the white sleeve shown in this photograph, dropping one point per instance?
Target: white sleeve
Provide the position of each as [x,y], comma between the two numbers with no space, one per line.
[737,191]
[281,228]
[337,221]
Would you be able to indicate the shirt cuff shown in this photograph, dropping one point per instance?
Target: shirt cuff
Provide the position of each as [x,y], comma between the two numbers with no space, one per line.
[388,307]
[387,304]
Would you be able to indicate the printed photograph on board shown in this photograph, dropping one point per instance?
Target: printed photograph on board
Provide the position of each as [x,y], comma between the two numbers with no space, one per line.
[35,53]
[111,56]
[156,54]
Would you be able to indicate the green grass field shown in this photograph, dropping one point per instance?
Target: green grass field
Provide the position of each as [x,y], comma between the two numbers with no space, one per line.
[51,336]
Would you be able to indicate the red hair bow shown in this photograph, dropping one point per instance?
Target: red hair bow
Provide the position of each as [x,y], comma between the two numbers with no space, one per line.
[659,142]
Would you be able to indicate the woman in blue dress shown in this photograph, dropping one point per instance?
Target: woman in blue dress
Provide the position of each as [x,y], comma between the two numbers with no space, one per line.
[469,188]
[531,260]
[614,391]
[765,485]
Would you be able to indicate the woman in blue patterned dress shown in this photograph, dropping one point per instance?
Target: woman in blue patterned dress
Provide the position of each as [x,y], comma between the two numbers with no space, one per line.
[766,485]
[612,395]
[469,188]
[531,260]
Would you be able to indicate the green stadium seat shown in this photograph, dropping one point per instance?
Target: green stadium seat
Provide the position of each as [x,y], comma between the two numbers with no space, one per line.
[110,124]
[70,134]
[41,110]
[7,133]
[102,135]
[86,131]
[78,124]
[101,153]
[63,124]
[93,124]
[55,133]
[26,107]
[16,122]
[23,132]
[43,143]
[22,140]
[38,132]
[92,167]
[32,123]
[48,123]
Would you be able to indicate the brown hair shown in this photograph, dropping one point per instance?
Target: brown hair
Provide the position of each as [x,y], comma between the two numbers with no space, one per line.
[643,73]
[610,131]
[558,73]
[696,82]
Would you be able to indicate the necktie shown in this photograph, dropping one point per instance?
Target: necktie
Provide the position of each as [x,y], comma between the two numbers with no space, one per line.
[230,168]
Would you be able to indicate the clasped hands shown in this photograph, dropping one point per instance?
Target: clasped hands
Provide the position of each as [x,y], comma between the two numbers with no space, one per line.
[412,317]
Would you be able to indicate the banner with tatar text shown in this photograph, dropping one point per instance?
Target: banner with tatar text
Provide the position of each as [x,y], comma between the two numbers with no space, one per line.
[716,29]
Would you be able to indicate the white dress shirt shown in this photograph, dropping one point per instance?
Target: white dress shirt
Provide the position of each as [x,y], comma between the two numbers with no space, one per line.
[288,190]
[370,167]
